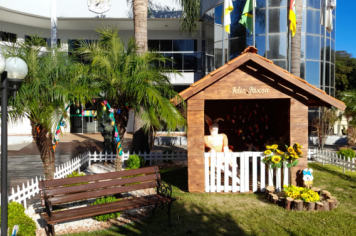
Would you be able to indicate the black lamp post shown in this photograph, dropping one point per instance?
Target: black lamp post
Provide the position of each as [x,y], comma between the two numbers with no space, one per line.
[12,70]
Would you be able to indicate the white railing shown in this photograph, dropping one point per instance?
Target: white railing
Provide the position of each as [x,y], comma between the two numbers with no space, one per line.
[327,157]
[230,172]
[24,193]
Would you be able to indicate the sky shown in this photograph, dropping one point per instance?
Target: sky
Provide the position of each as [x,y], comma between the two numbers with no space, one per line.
[345,26]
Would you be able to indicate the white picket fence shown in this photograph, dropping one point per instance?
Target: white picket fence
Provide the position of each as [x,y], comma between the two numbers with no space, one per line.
[327,157]
[24,193]
[230,172]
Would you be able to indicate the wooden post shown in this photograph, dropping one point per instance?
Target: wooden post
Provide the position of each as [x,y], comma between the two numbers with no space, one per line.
[317,190]
[275,199]
[331,204]
[311,206]
[326,206]
[288,203]
[319,206]
[298,205]
[334,199]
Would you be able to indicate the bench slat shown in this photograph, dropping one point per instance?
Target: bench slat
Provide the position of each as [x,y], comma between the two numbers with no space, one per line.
[88,211]
[101,192]
[103,184]
[97,177]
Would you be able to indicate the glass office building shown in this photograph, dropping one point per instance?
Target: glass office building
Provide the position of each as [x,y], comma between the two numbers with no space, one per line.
[272,39]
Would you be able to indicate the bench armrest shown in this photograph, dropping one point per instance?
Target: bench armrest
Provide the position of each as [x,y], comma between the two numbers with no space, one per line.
[165,190]
[48,207]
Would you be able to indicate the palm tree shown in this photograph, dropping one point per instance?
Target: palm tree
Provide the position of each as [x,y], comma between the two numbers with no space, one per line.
[132,80]
[53,81]
[296,41]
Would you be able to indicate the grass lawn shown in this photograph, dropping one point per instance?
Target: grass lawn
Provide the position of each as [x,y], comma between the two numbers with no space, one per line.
[248,214]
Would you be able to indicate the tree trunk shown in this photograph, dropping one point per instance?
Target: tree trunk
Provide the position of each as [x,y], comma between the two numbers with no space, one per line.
[43,141]
[296,41]
[121,121]
[140,8]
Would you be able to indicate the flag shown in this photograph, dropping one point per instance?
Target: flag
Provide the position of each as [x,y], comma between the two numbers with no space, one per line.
[247,17]
[226,15]
[330,5]
[292,17]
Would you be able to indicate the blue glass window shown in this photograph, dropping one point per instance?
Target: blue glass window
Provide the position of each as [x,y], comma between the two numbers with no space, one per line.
[178,61]
[168,63]
[332,51]
[332,76]
[313,24]
[302,47]
[313,4]
[304,22]
[302,69]
[237,45]
[277,3]
[178,45]
[261,45]
[312,47]
[277,22]
[277,46]
[260,3]
[190,62]
[165,45]
[282,64]
[312,72]
[153,45]
[260,22]
[334,29]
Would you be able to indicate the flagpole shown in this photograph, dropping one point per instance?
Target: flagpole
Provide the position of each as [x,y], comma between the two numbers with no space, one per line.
[289,43]
[324,59]
[223,36]
[254,23]
[324,49]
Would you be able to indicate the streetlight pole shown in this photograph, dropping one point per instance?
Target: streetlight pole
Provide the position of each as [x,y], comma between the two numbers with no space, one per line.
[16,71]
[4,87]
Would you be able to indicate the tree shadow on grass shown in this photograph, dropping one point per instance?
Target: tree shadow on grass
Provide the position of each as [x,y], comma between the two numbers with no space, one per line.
[187,219]
[176,176]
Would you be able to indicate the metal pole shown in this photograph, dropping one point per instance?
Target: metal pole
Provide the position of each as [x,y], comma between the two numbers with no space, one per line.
[289,44]
[254,23]
[324,59]
[223,36]
[324,49]
[4,84]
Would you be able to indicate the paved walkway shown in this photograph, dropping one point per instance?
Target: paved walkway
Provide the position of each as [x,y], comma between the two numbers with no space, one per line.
[24,161]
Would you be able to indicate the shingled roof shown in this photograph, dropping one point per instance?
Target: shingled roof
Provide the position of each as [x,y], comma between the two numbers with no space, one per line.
[250,54]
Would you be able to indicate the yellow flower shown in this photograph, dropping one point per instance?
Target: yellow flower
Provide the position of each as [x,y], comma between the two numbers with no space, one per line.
[274,146]
[279,152]
[298,145]
[267,152]
[286,157]
[291,150]
[268,147]
[299,151]
[276,159]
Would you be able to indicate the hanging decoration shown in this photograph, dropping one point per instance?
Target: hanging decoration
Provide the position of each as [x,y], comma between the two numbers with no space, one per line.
[61,123]
[111,116]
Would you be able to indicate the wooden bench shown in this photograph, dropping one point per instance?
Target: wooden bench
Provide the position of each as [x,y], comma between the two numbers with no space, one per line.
[54,192]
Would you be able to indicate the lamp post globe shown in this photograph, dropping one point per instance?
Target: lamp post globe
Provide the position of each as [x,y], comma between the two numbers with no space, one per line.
[16,69]
[2,63]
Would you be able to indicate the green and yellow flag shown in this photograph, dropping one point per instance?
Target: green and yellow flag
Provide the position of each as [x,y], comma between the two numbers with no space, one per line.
[247,17]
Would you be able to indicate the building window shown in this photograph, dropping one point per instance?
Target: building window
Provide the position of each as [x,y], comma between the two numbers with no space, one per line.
[182,54]
[40,41]
[8,37]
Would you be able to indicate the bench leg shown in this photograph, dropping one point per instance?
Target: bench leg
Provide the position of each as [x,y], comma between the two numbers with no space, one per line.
[154,209]
[169,213]
[50,230]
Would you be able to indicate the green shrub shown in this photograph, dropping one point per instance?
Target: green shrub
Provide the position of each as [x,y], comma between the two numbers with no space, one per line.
[105,217]
[346,153]
[75,174]
[17,216]
[135,162]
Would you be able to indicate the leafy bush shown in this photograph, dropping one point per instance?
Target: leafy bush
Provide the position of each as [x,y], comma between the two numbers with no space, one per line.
[346,152]
[17,216]
[105,217]
[75,174]
[135,162]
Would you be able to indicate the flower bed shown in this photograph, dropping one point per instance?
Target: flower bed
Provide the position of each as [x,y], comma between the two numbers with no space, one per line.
[299,198]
